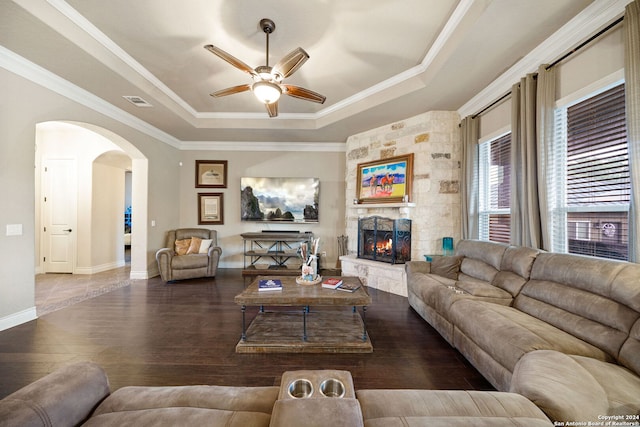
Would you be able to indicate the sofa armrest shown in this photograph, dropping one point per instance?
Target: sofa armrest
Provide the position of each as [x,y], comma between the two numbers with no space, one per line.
[163,257]
[412,267]
[215,251]
[65,397]
[214,258]
[576,388]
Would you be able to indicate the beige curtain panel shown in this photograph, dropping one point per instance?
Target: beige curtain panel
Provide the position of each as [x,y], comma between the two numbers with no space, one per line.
[631,27]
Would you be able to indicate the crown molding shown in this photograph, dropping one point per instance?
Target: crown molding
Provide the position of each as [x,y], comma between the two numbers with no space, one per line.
[24,68]
[85,25]
[320,118]
[327,147]
[597,15]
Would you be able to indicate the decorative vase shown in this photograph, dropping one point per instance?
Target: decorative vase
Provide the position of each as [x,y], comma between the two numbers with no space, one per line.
[447,246]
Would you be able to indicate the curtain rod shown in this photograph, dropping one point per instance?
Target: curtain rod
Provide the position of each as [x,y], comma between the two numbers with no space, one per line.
[491,105]
[562,58]
[586,42]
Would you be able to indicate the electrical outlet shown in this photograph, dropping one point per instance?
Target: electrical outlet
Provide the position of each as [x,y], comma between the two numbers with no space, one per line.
[324,254]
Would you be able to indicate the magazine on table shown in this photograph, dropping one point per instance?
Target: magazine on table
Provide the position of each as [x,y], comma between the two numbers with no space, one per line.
[346,287]
[270,285]
[331,283]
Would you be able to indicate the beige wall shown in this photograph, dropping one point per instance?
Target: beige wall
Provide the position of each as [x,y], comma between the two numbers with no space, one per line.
[24,105]
[107,213]
[578,74]
[328,166]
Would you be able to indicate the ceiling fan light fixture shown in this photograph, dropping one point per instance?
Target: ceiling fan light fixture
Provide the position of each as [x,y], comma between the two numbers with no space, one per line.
[266,92]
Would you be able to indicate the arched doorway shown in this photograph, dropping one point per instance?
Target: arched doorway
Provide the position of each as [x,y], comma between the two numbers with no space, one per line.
[79,145]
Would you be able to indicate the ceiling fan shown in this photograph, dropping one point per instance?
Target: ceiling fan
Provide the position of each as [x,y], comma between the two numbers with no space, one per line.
[267,83]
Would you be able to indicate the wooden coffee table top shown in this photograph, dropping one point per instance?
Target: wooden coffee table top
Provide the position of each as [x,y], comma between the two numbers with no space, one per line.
[293,294]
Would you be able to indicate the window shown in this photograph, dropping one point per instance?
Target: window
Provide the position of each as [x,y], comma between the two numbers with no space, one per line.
[495,189]
[591,185]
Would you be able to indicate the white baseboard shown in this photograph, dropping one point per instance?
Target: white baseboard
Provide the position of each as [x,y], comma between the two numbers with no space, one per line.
[99,268]
[18,318]
[140,275]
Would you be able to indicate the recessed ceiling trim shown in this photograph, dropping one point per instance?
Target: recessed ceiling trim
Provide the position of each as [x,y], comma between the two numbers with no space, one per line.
[389,84]
[327,147]
[454,21]
[26,69]
[83,23]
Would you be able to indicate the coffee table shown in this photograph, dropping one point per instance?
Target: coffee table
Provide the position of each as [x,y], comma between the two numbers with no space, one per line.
[320,325]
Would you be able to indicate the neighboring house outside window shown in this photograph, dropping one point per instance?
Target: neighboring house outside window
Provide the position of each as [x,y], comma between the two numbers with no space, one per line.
[590,184]
[495,189]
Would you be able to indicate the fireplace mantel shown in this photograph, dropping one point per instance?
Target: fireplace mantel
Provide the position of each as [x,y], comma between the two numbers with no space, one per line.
[404,208]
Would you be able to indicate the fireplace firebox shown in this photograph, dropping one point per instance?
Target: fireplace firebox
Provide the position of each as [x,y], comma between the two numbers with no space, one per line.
[384,239]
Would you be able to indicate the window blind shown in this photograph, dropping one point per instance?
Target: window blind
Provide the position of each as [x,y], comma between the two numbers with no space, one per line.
[495,189]
[593,186]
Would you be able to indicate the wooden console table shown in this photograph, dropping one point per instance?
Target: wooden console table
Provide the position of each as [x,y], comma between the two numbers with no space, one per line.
[320,325]
[272,253]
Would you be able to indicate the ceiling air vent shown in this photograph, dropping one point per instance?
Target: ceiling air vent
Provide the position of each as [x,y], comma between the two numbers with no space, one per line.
[137,101]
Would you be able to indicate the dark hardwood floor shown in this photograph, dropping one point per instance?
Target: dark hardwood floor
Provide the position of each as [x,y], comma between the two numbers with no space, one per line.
[152,333]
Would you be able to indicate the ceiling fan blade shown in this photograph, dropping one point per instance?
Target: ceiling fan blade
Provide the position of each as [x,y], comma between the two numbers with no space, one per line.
[231,90]
[302,93]
[291,62]
[272,109]
[230,59]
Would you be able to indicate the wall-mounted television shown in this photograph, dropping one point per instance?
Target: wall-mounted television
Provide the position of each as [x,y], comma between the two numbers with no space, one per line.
[279,199]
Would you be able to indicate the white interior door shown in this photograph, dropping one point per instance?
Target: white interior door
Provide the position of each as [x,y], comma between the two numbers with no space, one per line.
[59,215]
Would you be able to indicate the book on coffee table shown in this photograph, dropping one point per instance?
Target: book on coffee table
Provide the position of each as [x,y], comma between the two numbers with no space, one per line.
[346,287]
[270,285]
[331,283]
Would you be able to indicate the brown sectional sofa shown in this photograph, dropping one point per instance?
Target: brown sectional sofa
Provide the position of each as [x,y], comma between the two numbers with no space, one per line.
[79,395]
[562,330]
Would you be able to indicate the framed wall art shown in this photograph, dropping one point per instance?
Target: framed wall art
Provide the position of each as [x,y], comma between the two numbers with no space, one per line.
[210,208]
[279,199]
[386,180]
[211,174]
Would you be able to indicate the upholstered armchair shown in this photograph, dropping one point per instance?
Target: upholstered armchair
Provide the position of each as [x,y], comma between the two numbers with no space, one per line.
[189,253]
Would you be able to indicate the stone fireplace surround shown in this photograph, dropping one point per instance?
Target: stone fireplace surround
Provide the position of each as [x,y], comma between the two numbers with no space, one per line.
[434,205]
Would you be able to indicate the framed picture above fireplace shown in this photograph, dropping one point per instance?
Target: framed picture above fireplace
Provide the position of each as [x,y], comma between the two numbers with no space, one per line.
[385,181]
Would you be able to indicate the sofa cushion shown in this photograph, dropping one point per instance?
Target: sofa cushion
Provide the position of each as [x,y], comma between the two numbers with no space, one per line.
[190,261]
[481,259]
[626,287]
[194,246]
[205,244]
[390,408]
[575,388]
[182,246]
[179,416]
[192,405]
[515,269]
[577,294]
[480,288]
[489,253]
[446,266]
[507,333]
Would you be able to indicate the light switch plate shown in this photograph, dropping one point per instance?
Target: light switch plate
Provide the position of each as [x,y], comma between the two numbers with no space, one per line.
[14,229]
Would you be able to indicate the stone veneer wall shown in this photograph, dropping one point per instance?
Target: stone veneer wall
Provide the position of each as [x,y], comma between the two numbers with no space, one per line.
[434,138]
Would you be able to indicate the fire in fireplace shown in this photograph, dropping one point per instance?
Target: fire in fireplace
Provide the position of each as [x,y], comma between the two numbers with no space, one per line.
[384,239]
